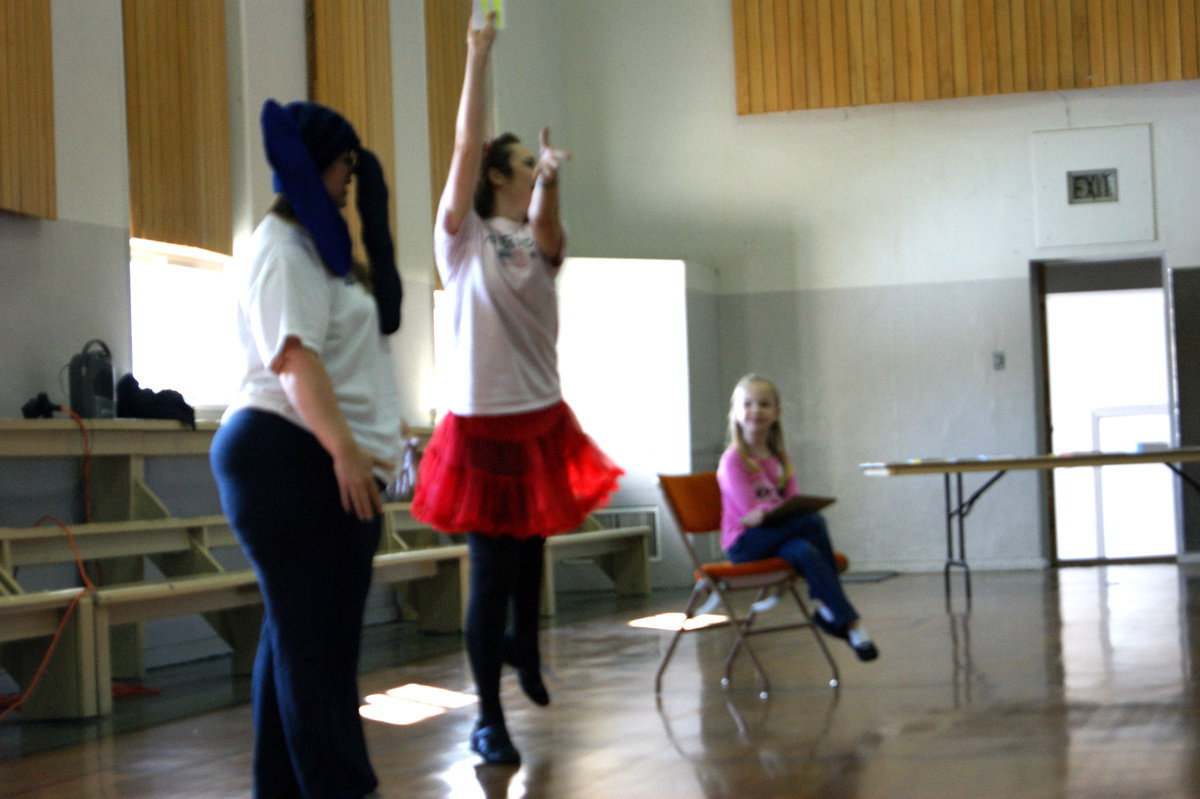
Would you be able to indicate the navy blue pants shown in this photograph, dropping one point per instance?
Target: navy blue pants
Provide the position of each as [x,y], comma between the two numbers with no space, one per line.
[313,562]
[802,541]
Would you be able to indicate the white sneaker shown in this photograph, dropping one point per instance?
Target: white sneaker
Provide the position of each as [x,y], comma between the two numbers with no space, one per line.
[710,604]
[767,602]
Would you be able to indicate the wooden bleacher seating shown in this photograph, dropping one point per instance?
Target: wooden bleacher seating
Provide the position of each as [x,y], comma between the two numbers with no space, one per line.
[105,638]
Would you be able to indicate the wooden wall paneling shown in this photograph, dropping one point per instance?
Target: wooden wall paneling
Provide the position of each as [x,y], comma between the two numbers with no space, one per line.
[1172,42]
[1004,47]
[796,53]
[783,59]
[755,55]
[379,77]
[27,166]
[1141,43]
[1035,60]
[158,209]
[900,58]
[823,53]
[974,48]
[741,57]
[350,71]
[1081,54]
[854,35]
[44,112]
[1127,34]
[1095,25]
[10,147]
[989,58]
[929,49]
[770,58]
[1049,28]
[1189,50]
[445,61]
[916,51]
[775,60]
[1020,46]
[825,61]
[887,57]
[944,18]
[16,58]
[812,55]
[134,131]
[872,68]
[1112,42]
[177,116]
[1065,43]
[1158,41]
[754,39]
[38,180]
[1155,32]
[841,53]
[958,22]
[216,186]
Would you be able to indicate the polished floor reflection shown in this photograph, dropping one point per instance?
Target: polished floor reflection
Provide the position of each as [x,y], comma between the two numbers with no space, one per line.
[1076,682]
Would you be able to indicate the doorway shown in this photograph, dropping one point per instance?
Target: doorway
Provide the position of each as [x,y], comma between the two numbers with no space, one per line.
[1106,387]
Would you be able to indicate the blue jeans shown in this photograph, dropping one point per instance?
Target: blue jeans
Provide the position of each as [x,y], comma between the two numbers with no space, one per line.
[802,541]
[313,562]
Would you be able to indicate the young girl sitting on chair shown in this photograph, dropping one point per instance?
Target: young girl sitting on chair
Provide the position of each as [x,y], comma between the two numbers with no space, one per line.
[756,478]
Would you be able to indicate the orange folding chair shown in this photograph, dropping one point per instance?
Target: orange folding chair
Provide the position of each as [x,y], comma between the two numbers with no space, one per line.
[695,501]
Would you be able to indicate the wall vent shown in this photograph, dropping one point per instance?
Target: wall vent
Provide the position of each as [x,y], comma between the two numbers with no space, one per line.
[611,518]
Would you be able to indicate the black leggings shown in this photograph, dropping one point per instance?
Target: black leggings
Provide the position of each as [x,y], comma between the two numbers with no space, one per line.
[505,572]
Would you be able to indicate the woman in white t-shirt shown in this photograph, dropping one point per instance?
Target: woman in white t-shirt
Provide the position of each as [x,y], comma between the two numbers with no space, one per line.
[509,464]
[305,447]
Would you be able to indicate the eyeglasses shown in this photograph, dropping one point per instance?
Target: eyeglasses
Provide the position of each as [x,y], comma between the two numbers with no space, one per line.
[350,159]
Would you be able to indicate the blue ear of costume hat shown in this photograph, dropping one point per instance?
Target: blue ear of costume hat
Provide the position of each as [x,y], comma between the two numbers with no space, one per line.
[377,240]
[297,176]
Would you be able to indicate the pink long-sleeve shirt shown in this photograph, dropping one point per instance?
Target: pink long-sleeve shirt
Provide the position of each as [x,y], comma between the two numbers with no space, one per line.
[743,490]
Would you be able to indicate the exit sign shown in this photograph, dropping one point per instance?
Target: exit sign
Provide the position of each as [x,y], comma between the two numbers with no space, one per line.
[1092,186]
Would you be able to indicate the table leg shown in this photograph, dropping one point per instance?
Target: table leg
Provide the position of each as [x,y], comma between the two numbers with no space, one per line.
[1185,477]
[956,512]
[958,508]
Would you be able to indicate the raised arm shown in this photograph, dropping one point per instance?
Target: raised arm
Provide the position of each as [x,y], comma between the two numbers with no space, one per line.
[469,126]
[543,207]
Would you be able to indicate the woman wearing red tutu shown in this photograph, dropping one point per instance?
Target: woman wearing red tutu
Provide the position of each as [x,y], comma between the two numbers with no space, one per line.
[509,464]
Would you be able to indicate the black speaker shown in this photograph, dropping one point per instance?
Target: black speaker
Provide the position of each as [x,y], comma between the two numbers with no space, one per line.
[91,382]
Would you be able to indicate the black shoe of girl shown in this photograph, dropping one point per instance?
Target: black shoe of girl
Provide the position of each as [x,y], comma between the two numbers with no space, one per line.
[829,628]
[491,742]
[530,677]
[866,650]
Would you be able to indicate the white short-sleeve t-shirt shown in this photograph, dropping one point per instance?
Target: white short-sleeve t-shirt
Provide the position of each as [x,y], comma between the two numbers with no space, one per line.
[504,311]
[287,292]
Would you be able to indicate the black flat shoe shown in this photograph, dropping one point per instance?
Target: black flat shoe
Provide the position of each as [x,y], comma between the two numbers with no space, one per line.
[866,650]
[530,678]
[492,743]
[828,627]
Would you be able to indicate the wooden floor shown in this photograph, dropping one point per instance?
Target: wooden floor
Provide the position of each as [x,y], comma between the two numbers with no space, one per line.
[1067,683]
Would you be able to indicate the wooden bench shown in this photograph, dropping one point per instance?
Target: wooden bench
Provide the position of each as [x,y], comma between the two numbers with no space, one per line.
[623,553]
[440,574]
[28,621]
[195,584]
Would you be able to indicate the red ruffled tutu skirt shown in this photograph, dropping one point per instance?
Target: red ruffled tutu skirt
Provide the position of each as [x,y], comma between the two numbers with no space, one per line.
[520,475]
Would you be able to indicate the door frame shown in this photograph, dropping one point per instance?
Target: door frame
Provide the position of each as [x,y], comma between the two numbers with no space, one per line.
[1051,276]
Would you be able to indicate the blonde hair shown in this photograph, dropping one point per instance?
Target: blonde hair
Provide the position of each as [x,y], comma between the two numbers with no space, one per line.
[775,442]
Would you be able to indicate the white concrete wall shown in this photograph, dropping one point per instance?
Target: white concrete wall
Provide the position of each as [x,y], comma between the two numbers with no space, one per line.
[870,259]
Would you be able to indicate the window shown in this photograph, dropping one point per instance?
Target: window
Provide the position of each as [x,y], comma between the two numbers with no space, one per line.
[183,326]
